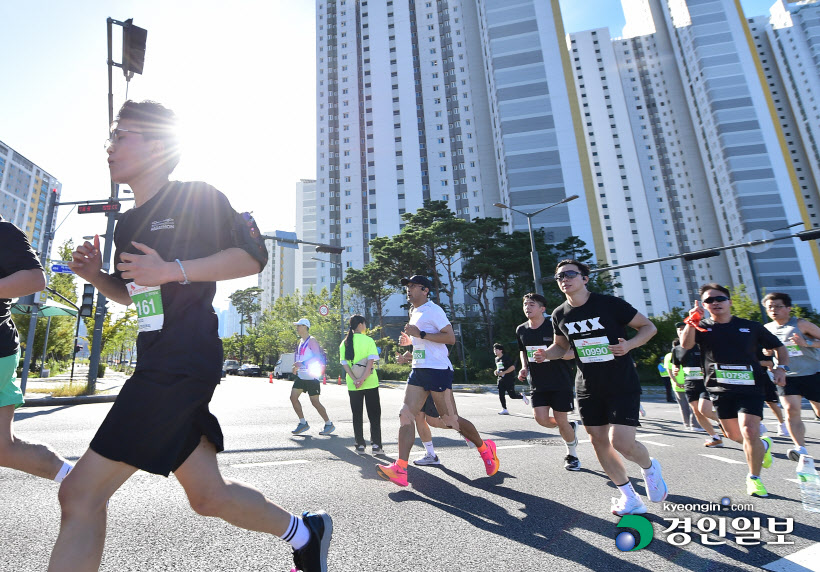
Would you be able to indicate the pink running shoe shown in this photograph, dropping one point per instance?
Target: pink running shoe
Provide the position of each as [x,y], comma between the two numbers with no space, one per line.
[393,473]
[491,462]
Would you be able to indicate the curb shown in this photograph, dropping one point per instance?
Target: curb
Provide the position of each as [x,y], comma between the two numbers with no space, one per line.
[76,400]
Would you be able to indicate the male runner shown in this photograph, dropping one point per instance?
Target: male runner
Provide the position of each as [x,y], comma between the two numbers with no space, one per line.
[428,332]
[690,361]
[308,368]
[505,372]
[609,392]
[551,381]
[802,340]
[427,417]
[20,275]
[734,376]
[172,247]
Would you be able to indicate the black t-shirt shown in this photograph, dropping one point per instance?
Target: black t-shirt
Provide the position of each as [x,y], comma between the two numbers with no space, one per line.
[16,254]
[591,328]
[730,354]
[184,221]
[502,364]
[553,375]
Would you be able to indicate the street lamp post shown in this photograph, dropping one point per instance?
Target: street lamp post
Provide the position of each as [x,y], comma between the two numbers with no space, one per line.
[536,266]
[341,289]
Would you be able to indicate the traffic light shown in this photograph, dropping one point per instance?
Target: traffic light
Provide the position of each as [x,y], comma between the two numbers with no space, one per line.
[133,47]
[88,301]
[78,348]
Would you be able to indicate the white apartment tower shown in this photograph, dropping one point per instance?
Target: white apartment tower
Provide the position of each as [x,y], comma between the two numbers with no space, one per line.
[26,192]
[306,229]
[277,279]
[452,100]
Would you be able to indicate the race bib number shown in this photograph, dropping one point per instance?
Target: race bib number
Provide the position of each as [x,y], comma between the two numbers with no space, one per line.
[531,352]
[734,374]
[419,356]
[593,350]
[794,350]
[148,302]
[691,373]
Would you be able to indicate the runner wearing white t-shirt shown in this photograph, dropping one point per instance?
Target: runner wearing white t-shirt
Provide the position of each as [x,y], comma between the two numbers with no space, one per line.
[429,331]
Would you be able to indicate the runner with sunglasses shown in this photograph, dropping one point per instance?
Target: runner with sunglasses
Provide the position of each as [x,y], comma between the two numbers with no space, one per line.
[609,392]
[733,375]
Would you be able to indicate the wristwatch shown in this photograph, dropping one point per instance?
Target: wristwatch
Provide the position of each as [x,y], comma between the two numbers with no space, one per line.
[785,368]
[422,334]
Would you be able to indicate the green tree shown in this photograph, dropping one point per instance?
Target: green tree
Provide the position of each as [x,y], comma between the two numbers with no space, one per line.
[247,306]
[372,282]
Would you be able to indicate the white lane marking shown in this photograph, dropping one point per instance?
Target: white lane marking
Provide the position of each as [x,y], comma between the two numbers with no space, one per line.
[511,414]
[724,459]
[792,481]
[271,463]
[647,435]
[799,561]
[655,443]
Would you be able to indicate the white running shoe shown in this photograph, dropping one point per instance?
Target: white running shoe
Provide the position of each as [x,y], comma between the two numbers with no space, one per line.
[525,398]
[503,412]
[783,430]
[626,505]
[427,459]
[642,410]
[656,488]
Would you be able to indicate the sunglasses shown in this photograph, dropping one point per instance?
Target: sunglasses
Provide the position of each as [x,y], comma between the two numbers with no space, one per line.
[713,299]
[567,274]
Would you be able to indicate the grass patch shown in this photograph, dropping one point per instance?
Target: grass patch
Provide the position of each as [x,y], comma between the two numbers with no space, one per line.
[63,390]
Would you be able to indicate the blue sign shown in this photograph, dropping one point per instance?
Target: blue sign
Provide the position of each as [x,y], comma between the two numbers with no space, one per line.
[61,269]
[286,239]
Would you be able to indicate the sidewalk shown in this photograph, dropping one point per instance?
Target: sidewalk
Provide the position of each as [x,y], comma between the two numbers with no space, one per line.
[108,387]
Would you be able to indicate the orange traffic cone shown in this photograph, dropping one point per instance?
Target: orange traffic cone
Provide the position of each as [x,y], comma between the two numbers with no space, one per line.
[270,378]
[339,382]
[324,379]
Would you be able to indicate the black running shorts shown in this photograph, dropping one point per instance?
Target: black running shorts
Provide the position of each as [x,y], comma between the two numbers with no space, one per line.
[561,400]
[157,422]
[310,386]
[728,405]
[695,390]
[806,385]
[614,409]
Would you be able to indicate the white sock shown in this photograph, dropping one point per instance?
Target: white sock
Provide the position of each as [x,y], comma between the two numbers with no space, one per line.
[429,447]
[63,472]
[627,490]
[571,445]
[297,533]
[302,420]
[765,445]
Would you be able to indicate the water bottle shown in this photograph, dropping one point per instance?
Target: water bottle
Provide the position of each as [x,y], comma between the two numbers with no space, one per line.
[809,483]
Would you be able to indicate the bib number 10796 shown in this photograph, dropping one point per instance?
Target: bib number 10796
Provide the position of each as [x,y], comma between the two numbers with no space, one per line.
[148,303]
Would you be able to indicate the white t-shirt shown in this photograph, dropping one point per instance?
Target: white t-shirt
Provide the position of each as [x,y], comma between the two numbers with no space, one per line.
[429,318]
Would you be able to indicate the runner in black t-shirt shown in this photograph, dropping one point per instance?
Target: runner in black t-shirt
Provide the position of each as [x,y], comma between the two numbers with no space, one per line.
[692,363]
[733,374]
[609,392]
[550,381]
[20,275]
[505,373]
[172,247]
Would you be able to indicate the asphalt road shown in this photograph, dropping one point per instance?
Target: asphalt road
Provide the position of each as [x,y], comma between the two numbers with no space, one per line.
[532,515]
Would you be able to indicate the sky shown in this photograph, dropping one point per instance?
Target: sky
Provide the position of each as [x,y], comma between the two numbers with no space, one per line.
[240,75]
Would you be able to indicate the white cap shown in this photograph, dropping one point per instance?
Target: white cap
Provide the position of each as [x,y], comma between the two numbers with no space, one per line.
[302,322]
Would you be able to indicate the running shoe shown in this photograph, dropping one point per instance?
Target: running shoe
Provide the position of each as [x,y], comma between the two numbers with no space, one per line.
[393,473]
[767,457]
[626,505]
[301,428]
[503,412]
[656,488]
[360,448]
[491,462]
[755,488]
[572,463]
[377,449]
[525,398]
[714,443]
[328,428]
[643,413]
[312,557]
[427,459]
[794,454]
[783,431]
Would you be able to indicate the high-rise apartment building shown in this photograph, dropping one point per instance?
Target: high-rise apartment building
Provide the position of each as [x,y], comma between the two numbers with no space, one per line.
[307,217]
[26,192]
[278,278]
[453,100]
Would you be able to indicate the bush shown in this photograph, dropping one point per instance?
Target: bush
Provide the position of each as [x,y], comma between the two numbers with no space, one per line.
[101,370]
[394,371]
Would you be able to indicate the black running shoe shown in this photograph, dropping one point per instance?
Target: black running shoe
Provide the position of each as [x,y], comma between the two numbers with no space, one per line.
[312,557]
[572,463]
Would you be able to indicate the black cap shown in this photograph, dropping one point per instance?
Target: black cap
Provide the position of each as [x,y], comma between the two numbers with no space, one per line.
[417,279]
[680,325]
